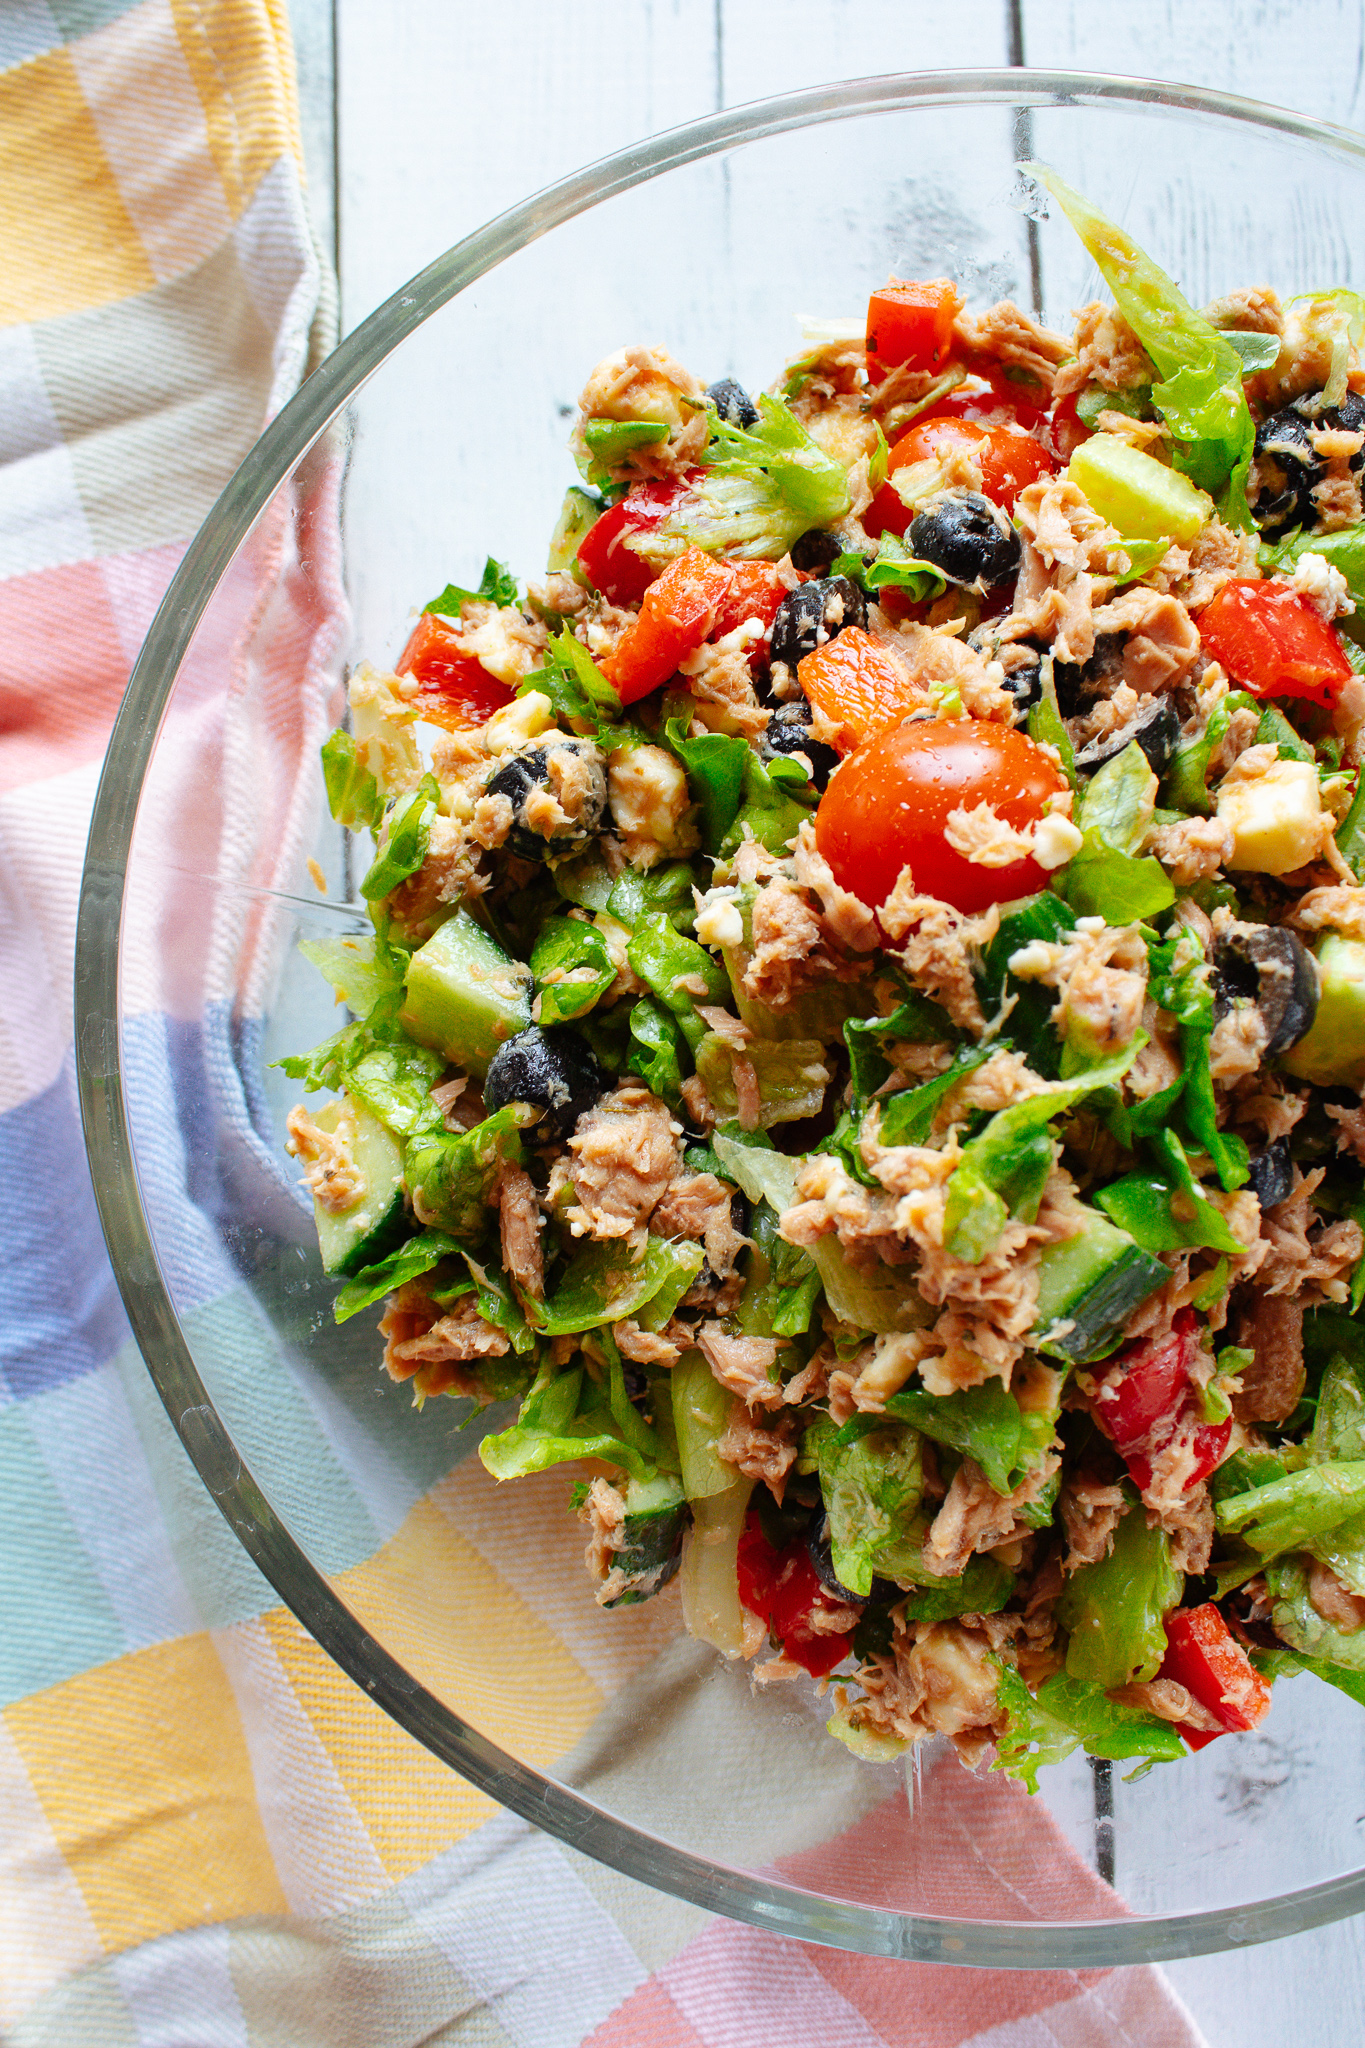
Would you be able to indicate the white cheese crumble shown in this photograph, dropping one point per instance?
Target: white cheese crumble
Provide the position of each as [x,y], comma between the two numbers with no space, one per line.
[719,922]
[1324,587]
[524,719]
[1055,842]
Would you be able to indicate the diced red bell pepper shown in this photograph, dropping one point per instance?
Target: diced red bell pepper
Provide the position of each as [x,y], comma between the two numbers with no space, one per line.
[1008,459]
[782,1587]
[610,564]
[456,689]
[676,615]
[756,590]
[1203,1656]
[1271,640]
[910,322]
[1148,1396]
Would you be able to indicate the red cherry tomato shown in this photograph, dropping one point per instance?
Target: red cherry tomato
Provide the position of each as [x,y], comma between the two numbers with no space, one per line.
[605,555]
[1271,640]
[1147,1394]
[1007,457]
[1215,1670]
[888,806]
[457,690]
[910,323]
[782,1587]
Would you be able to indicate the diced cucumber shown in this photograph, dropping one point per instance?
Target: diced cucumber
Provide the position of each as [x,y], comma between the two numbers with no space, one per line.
[1332,1053]
[377,1222]
[1136,493]
[1088,1286]
[580,510]
[464,996]
[651,1546]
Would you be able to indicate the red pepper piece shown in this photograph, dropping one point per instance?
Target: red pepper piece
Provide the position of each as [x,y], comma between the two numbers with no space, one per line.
[1203,1656]
[1271,640]
[676,615]
[610,564]
[456,689]
[783,1588]
[1147,1396]
[910,322]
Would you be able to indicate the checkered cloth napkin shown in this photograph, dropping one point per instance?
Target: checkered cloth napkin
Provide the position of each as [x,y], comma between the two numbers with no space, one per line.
[210,1838]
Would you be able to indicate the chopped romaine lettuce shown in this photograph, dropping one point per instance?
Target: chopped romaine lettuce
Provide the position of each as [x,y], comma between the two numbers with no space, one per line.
[1002,1172]
[984,1423]
[565,1416]
[664,960]
[452,1175]
[778,798]
[715,775]
[657,1049]
[1290,1513]
[791,1075]
[1115,1608]
[1297,1621]
[871,1484]
[572,967]
[409,1262]
[782,1285]
[1068,1712]
[497,586]
[405,840]
[637,891]
[907,1118]
[893,567]
[603,1284]
[762,488]
[395,1082]
[353,795]
[1201,397]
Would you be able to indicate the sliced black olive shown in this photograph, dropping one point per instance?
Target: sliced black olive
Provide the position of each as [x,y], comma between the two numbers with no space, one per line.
[568,769]
[1288,465]
[789,732]
[708,1280]
[962,534]
[1155,725]
[1272,1173]
[1078,684]
[1273,968]
[732,402]
[553,1070]
[1022,661]
[816,550]
[812,614]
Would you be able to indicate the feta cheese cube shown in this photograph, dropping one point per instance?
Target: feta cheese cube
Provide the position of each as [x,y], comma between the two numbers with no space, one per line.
[1276,817]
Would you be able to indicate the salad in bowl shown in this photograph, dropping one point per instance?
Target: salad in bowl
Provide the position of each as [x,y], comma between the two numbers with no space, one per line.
[862,1035]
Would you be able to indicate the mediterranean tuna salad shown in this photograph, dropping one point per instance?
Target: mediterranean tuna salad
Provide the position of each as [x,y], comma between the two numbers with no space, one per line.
[860,1033]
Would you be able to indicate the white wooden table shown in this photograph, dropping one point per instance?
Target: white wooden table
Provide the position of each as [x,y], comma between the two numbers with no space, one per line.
[424,118]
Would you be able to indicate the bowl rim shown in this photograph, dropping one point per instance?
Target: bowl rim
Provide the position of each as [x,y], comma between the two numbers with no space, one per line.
[561,1812]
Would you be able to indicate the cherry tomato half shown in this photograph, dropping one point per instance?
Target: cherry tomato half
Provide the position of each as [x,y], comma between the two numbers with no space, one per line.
[606,554]
[1268,637]
[889,804]
[1008,459]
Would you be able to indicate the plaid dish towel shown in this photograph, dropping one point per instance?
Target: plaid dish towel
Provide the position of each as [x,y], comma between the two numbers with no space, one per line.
[209,1838]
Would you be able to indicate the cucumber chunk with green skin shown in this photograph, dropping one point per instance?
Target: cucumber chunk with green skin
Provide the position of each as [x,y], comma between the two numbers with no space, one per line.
[1088,1286]
[1332,1053]
[377,1222]
[651,1539]
[1136,493]
[465,997]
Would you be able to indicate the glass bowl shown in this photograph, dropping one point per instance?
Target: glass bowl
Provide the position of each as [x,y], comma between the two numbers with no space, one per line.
[433,436]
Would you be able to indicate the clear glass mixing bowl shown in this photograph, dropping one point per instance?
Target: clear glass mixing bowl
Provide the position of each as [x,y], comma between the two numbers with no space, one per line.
[434,435]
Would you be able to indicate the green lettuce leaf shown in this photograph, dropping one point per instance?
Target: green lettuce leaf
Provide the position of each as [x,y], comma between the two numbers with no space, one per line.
[1201,396]
[663,957]
[871,1484]
[572,968]
[409,1262]
[777,800]
[404,845]
[1003,1171]
[763,487]
[715,775]
[1290,1513]
[575,685]
[657,1049]
[915,1021]
[1186,787]
[1115,1608]
[603,1284]
[669,888]
[454,1173]
[984,1423]
[893,567]
[353,795]
[1066,1713]
[1296,1620]
[781,1286]
[565,1416]
[791,1074]
[395,1081]
[908,1117]
[497,586]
